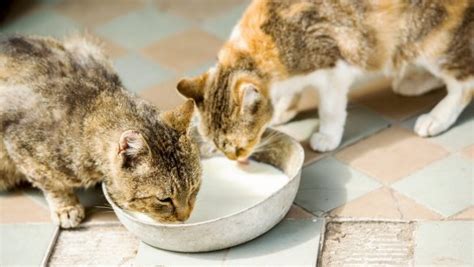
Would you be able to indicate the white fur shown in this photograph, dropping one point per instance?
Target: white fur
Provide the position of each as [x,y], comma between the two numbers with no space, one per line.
[250,95]
[332,86]
[237,39]
[445,113]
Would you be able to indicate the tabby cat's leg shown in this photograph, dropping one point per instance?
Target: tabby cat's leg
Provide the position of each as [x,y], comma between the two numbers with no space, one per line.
[64,206]
[66,210]
[448,110]
[415,81]
[9,174]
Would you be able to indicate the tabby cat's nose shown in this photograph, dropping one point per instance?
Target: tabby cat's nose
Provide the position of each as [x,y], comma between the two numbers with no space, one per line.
[239,151]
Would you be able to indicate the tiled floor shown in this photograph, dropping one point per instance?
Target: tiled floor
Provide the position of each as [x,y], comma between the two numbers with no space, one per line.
[382,173]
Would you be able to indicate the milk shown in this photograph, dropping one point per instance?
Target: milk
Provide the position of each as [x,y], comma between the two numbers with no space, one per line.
[228,187]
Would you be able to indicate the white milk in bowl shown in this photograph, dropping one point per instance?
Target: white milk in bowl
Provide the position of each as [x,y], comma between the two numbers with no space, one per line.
[228,187]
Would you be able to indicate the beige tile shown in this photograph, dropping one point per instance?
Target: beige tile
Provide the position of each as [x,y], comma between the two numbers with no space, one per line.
[385,203]
[185,50]
[197,9]
[16,207]
[94,215]
[111,49]
[163,95]
[310,155]
[298,213]
[384,101]
[469,152]
[391,154]
[467,214]
[92,13]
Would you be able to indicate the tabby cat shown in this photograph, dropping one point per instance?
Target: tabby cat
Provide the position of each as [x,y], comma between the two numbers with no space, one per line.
[66,122]
[278,47]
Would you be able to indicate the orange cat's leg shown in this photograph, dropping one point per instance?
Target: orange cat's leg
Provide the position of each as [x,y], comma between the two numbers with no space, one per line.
[448,110]
[333,86]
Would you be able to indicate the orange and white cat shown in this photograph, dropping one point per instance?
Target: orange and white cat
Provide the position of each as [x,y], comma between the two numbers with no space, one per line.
[278,47]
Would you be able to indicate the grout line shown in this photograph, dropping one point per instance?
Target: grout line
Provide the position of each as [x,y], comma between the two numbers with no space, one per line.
[51,247]
[322,238]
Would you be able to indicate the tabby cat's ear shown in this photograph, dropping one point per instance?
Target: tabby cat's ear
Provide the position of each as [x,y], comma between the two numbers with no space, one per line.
[193,87]
[180,117]
[131,145]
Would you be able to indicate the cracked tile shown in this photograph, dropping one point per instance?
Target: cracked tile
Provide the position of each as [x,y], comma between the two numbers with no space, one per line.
[386,204]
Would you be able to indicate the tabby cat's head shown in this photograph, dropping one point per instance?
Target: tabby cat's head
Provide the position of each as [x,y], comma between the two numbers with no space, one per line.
[158,171]
[234,108]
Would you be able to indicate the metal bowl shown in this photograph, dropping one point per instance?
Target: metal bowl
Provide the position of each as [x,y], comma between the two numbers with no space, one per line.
[284,153]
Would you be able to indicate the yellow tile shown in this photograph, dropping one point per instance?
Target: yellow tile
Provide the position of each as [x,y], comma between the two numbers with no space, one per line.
[164,95]
[197,10]
[391,154]
[467,214]
[16,207]
[298,213]
[184,51]
[92,13]
[469,152]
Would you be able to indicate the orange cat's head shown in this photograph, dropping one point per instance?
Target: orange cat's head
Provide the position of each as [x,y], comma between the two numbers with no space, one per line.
[234,107]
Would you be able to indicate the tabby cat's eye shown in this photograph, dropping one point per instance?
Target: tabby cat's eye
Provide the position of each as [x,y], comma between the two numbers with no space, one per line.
[166,200]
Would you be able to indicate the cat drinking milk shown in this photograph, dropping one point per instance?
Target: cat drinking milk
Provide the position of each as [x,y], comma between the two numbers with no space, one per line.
[278,47]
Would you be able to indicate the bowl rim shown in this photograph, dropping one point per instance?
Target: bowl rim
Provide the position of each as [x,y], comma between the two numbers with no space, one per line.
[186,225]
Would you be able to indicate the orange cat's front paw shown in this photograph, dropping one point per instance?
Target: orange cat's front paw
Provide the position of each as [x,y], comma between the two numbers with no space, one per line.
[68,217]
[322,142]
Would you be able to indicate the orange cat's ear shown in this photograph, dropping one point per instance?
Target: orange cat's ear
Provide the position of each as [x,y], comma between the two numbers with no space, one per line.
[193,87]
[248,96]
[131,144]
[180,117]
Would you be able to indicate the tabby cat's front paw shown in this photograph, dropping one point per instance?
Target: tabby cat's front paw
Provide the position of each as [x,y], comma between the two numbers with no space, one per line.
[322,142]
[68,217]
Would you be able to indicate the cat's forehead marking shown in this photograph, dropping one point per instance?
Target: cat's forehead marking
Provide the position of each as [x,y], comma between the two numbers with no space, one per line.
[237,39]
